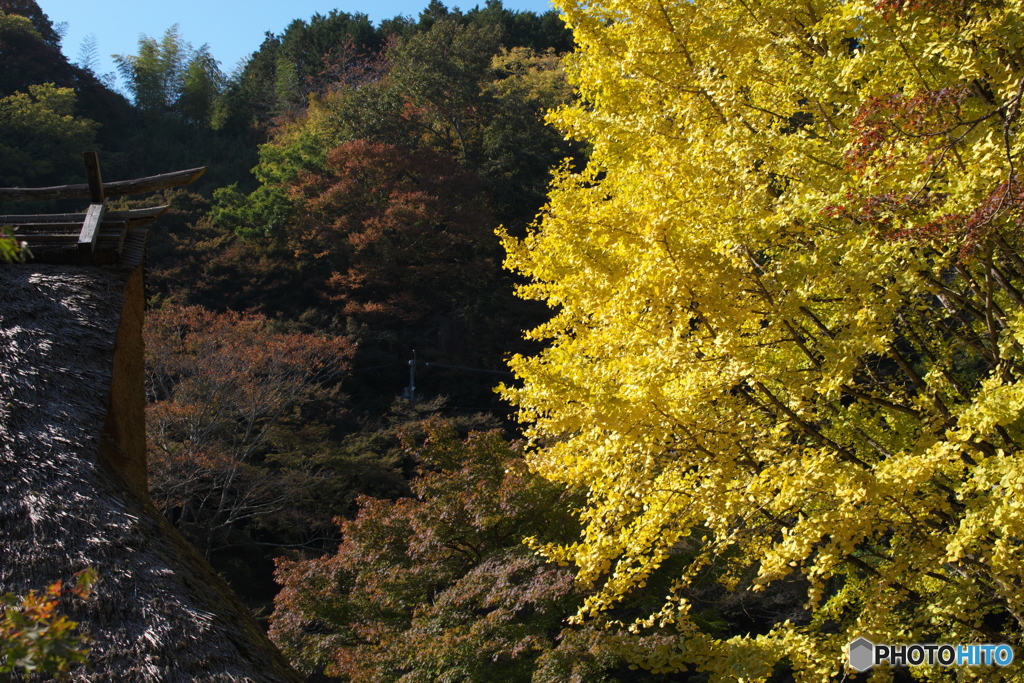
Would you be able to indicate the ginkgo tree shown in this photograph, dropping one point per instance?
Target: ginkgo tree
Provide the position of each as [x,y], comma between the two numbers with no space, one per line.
[788,327]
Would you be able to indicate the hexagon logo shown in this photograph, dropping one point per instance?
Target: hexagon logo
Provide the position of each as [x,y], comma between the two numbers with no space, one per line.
[862,654]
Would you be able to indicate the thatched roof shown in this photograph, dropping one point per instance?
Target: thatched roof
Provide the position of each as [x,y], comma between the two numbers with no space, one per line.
[160,612]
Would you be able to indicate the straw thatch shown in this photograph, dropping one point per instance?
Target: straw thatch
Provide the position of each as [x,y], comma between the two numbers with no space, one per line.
[72,487]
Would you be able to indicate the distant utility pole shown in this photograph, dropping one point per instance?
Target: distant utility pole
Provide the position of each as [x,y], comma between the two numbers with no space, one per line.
[410,391]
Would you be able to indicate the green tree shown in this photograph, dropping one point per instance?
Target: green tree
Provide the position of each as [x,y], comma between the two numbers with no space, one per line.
[153,76]
[202,84]
[455,88]
[518,150]
[31,56]
[440,72]
[788,331]
[25,53]
[171,76]
[538,32]
[41,23]
[89,53]
[301,61]
[41,139]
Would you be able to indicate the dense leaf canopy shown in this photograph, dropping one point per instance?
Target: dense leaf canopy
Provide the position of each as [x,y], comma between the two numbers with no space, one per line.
[788,334]
[439,587]
[41,140]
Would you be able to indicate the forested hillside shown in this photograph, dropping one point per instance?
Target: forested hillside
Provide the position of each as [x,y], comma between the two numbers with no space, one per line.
[356,176]
[771,258]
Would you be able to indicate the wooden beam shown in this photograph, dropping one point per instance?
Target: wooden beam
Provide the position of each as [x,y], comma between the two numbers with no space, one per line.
[61,237]
[118,188]
[25,219]
[153,183]
[68,227]
[151,213]
[91,228]
[92,175]
[69,239]
[16,220]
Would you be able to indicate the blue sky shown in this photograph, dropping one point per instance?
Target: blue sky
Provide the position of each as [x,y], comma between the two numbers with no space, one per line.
[232,28]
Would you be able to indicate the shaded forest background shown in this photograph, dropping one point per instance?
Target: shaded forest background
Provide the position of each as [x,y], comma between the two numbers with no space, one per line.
[356,176]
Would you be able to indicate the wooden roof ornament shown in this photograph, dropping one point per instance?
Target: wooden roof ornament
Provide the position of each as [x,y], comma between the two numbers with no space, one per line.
[97,236]
[73,490]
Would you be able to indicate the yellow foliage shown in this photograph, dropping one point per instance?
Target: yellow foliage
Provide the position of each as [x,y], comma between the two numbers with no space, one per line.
[788,292]
[530,76]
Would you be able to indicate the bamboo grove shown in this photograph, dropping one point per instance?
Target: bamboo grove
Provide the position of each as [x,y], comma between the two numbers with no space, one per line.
[788,338]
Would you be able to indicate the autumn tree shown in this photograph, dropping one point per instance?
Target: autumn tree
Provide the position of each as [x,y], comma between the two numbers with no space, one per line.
[439,587]
[396,233]
[222,388]
[395,242]
[35,638]
[451,89]
[788,328]
[10,248]
[371,193]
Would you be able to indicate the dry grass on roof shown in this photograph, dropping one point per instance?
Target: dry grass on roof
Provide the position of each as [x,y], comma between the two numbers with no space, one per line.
[160,612]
